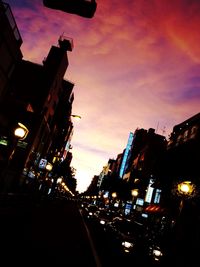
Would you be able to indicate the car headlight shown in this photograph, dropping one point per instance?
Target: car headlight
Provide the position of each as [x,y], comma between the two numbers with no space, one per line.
[102,222]
[157,254]
[127,244]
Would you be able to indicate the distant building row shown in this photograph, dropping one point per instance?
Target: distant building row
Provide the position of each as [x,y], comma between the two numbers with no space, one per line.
[153,166]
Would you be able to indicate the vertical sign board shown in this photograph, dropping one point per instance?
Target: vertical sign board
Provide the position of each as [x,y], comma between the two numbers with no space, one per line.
[43,163]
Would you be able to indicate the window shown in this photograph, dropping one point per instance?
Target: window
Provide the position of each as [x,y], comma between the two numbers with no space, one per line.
[185,135]
[193,132]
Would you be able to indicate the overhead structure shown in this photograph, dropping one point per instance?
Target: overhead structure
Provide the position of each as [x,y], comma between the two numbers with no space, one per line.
[84,8]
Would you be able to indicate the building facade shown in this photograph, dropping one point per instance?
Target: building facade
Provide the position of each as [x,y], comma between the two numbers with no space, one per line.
[36,96]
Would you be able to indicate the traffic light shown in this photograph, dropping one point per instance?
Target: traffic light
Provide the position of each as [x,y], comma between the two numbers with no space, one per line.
[84,8]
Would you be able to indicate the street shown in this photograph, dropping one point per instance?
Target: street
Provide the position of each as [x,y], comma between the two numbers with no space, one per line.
[51,231]
[47,231]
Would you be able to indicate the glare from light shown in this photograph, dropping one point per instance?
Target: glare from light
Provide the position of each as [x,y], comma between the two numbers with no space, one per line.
[49,167]
[20,132]
[157,253]
[186,188]
[127,244]
[59,180]
[134,192]
[114,194]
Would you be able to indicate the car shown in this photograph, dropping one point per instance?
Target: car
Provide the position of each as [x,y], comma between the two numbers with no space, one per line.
[155,253]
[88,211]
[84,8]
[129,237]
[103,217]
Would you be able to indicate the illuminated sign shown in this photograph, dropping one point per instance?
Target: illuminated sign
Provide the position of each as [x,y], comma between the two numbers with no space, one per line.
[3,141]
[153,208]
[140,201]
[149,193]
[42,163]
[126,155]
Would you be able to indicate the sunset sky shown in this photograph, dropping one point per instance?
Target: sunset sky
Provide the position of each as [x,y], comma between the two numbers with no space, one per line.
[135,64]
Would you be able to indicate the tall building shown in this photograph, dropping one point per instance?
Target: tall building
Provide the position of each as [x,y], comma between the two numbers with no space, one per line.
[182,157]
[36,96]
[10,54]
[61,143]
[145,163]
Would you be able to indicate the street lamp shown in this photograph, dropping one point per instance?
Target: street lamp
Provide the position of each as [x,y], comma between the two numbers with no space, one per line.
[20,133]
[113,199]
[114,194]
[186,190]
[134,192]
[49,167]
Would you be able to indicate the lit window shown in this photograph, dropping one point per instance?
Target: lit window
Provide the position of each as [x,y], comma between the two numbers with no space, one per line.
[157,196]
[193,132]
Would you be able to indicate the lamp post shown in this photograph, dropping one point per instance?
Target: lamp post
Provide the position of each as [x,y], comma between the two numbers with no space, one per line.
[50,183]
[185,224]
[114,195]
[49,167]
[134,194]
[20,133]
[186,189]
[9,173]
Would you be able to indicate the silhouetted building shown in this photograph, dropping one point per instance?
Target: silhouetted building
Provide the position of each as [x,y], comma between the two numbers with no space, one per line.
[106,176]
[63,132]
[93,188]
[36,96]
[183,149]
[147,149]
[181,161]
[10,55]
